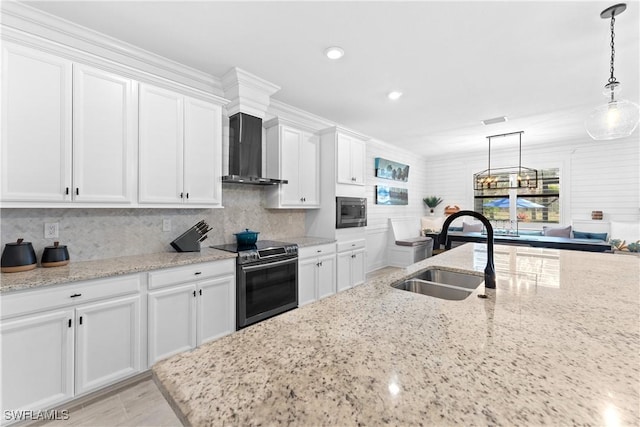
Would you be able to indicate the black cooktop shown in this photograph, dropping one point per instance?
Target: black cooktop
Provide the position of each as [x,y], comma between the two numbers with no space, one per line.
[259,246]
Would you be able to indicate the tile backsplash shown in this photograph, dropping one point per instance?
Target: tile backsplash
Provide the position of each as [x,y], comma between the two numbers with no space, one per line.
[106,233]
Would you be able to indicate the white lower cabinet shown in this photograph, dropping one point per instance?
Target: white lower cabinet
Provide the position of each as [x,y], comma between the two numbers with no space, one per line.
[215,309]
[351,265]
[194,305]
[63,342]
[37,360]
[172,321]
[107,342]
[316,273]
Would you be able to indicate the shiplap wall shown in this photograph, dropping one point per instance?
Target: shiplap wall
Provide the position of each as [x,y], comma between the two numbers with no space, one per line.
[595,175]
[378,215]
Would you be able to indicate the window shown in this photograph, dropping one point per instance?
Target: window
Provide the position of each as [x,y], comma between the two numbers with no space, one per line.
[540,204]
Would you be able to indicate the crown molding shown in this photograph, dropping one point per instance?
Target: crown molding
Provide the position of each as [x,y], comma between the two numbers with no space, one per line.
[248,93]
[49,27]
[288,122]
[343,130]
[301,117]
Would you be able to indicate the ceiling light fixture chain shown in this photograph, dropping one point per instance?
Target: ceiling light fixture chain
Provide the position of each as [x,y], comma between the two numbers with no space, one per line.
[612,79]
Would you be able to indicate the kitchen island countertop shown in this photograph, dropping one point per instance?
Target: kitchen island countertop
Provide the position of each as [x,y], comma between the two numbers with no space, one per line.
[556,343]
[86,270]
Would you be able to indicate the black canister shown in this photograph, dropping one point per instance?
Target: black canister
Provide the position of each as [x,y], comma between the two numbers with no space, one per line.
[55,256]
[18,256]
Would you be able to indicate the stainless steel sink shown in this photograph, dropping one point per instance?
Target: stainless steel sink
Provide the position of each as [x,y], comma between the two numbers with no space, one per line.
[453,278]
[443,284]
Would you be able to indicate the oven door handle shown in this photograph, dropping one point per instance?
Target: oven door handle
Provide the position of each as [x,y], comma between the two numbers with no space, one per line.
[269,264]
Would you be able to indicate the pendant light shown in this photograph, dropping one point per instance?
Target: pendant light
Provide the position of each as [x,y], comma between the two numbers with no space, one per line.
[617,118]
[509,177]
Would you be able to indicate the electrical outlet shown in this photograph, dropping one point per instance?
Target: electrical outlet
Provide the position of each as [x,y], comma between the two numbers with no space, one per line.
[166,225]
[50,230]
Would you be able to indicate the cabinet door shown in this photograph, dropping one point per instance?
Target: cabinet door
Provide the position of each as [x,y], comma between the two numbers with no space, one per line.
[307,281]
[327,276]
[36,125]
[358,155]
[37,360]
[107,342]
[202,152]
[310,169]
[343,160]
[357,267]
[343,273]
[291,167]
[216,308]
[104,120]
[172,321]
[161,154]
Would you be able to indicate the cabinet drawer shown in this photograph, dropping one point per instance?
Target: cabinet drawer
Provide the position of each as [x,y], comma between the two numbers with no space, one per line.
[350,245]
[318,250]
[190,273]
[30,301]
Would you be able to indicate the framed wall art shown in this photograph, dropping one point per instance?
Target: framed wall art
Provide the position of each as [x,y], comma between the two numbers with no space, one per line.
[387,169]
[391,195]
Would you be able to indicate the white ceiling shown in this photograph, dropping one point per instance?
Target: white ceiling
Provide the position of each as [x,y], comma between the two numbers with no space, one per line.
[543,64]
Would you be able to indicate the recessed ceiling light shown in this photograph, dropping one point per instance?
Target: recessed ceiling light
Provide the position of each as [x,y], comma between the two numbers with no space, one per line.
[500,119]
[334,52]
[394,95]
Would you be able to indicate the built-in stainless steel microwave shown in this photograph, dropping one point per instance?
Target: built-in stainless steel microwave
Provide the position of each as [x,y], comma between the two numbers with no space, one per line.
[351,212]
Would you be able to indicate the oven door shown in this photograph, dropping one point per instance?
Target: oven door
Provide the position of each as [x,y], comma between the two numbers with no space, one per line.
[265,289]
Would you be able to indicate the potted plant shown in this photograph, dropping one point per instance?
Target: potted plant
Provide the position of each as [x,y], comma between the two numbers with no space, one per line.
[432,202]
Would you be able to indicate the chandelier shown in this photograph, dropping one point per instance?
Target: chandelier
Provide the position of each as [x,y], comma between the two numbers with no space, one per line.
[506,177]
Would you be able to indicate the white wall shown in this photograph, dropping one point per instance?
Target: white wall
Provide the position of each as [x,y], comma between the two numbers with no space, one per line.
[378,215]
[595,175]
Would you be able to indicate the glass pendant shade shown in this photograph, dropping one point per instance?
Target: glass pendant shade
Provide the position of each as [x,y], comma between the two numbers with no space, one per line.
[616,119]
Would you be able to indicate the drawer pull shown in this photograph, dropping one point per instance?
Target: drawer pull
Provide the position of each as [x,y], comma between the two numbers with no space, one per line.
[69,322]
[75,295]
[198,273]
[200,292]
[319,250]
[81,320]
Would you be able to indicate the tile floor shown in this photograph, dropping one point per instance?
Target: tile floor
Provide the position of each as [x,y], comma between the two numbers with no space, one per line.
[141,404]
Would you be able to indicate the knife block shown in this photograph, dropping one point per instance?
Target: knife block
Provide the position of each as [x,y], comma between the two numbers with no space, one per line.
[187,241]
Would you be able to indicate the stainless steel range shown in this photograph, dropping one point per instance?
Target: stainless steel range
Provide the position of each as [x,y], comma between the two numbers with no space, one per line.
[266,280]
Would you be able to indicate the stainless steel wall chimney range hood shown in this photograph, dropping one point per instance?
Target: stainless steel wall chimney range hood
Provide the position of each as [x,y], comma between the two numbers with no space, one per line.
[245,152]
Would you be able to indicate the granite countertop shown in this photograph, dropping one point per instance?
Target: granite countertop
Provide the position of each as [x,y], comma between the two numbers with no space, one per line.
[86,270]
[556,343]
[305,241]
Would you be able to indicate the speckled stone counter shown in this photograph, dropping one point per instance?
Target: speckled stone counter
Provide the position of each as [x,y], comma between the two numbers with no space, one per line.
[306,241]
[86,270]
[557,343]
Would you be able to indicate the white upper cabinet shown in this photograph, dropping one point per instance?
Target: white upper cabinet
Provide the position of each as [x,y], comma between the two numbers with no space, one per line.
[180,149]
[104,137]
[36,126]
[161,159]
[350,159]
[52,155]
[202,152]
[293,154]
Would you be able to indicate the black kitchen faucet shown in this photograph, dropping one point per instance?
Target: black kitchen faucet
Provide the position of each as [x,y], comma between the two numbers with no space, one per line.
[489,270]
